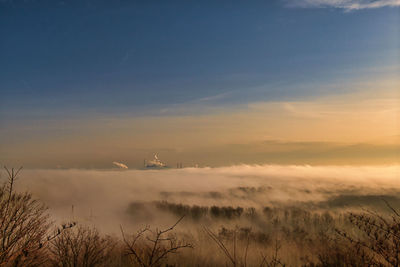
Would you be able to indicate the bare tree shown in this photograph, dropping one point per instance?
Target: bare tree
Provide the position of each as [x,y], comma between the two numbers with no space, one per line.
[23,226]
[81,247]
[151,249]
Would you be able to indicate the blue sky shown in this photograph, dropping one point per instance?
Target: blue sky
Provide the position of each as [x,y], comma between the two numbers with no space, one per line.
[62,60]
[113,56]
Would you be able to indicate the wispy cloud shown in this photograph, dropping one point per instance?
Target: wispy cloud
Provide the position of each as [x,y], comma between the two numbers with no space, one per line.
[347,5]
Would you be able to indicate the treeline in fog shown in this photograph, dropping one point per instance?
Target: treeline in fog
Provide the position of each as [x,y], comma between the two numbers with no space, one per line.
[200,236]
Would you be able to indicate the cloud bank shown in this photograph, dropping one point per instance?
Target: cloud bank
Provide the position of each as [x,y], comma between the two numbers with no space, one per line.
[344,4]
[104,197]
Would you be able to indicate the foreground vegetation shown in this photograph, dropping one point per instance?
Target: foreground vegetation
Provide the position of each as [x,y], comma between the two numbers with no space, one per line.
[201,236]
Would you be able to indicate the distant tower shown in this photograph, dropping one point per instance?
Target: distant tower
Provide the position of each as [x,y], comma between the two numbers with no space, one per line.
[179,165]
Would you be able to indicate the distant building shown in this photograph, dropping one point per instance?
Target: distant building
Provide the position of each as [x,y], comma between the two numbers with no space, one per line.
[156,163]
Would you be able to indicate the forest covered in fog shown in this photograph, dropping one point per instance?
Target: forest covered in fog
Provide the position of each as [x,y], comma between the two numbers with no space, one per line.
[244,215]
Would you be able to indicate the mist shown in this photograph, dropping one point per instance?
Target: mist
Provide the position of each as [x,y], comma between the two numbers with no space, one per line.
[112,198]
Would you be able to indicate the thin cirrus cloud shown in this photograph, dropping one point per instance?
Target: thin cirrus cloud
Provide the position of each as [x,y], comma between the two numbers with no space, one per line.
[347,5]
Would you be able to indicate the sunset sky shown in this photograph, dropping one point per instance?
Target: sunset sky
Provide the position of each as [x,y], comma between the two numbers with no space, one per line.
[85,83]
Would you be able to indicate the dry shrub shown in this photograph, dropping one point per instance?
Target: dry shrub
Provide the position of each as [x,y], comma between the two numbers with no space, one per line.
[377,234]
[82,247]
[234,245]
[331,250]
[148,248]
[370,239]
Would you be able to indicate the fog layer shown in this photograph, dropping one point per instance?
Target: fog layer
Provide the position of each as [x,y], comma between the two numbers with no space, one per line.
[105,197]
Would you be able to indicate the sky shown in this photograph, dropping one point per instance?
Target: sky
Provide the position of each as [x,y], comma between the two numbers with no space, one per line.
[86,83]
